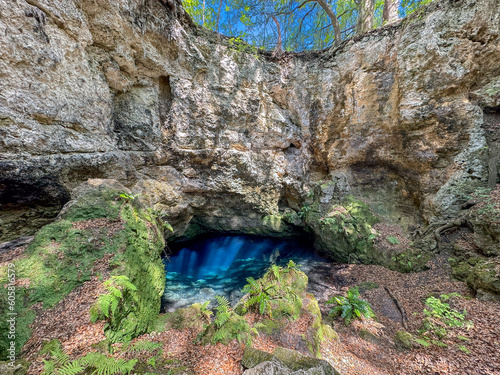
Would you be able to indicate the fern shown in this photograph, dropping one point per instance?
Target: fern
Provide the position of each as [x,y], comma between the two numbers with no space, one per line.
[223,311]
[276,271]
[61,365]
[70,368]
[107,365]
[108,306]
[205,312]
[49,367]
[351,307]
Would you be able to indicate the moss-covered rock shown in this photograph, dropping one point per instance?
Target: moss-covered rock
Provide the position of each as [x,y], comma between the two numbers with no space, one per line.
[252,357]
[403,340]
[284,361]
[189,317]
[344,229]
[482,275]
[62,256]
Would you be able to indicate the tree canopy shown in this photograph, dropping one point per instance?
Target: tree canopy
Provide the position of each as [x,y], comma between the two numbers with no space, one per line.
[296,25]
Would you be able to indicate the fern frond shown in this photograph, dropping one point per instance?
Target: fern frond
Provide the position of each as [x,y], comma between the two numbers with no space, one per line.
[70,368]
[60,357]
[224,305]
[49,367]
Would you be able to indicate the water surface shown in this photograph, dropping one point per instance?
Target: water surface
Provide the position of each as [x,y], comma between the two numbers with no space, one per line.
[199,269]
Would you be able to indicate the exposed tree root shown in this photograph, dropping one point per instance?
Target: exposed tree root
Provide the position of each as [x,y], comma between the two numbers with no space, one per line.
[445,227]
[402,311]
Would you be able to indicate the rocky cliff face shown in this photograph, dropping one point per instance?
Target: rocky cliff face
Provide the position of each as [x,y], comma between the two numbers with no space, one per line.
[219,137]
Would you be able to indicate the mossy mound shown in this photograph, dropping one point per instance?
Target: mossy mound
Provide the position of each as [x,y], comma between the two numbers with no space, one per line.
[344,229]
[235,328]
[284,361]
[63,254]
[189,317]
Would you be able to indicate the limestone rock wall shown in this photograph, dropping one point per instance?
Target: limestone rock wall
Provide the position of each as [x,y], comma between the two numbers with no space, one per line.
[133,91]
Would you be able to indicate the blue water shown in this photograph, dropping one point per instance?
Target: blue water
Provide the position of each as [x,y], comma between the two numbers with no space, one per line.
[199,269]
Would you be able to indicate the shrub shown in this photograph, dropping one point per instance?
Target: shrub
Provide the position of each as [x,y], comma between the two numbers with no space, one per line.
[351,306]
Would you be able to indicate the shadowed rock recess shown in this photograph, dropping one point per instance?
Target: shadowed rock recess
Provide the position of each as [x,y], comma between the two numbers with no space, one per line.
[389,127]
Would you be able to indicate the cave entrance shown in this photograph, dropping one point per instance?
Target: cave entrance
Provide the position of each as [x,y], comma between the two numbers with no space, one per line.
[26,205]
[209,265]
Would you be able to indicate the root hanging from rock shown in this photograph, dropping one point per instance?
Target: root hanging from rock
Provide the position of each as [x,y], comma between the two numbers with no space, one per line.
[445,227]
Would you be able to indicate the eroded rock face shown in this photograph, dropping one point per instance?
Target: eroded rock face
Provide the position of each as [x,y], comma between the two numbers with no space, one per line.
[135,92]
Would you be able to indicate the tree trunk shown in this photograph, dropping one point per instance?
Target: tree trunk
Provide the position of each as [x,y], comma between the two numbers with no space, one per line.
[333,19]
[218,15]
[203,15]
[365,18]
[390,13]
[279,47]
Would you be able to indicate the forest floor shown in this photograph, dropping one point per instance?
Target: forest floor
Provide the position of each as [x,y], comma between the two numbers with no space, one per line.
[376,353]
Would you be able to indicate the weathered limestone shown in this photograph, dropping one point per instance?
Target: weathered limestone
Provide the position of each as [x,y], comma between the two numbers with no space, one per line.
[224,139]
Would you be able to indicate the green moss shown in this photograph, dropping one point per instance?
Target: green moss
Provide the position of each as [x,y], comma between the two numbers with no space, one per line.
[98,203]
[252,357]
[345,229]
[316,328]
[61,257]
[404,340]
[236,327]
[189,317]
[273,222]
[329,333]
[269,326]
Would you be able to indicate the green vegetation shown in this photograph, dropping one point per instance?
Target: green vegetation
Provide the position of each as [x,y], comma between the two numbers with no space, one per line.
[409,261]
[277,292]
[350,307]
[294,25]
[441,321]
[346,229]
[227,326]
[392,240]
[63,255]
[112,306]
[92,363]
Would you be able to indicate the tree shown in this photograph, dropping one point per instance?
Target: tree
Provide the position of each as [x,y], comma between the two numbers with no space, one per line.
[296,25]
[333,18]
[365,17]
[391,8]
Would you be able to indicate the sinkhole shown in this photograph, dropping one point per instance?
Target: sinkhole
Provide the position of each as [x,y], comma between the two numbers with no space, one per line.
[199,269]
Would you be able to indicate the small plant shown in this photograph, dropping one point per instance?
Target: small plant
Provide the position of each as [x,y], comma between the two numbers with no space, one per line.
[351,307]
[109,306]
[441,320]
[241,46]
[392,240]
[128,197]
[59,364]
[259,295]
[205,312]
[227,326]
[223,311]
[304,211]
